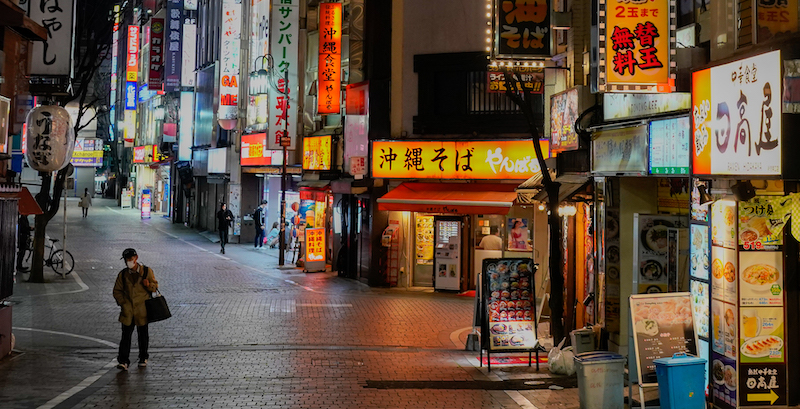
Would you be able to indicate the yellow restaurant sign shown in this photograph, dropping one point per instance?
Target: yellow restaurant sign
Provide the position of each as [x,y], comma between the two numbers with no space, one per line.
[637,46]
[500,159]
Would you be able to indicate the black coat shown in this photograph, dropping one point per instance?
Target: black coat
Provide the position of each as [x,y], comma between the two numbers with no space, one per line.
[224,219]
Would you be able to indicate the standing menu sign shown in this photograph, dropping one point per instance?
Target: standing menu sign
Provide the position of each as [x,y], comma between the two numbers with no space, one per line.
[663,325]
[509,324]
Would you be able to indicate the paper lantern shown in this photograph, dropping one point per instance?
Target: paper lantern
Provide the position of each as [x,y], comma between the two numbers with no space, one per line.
[50,138]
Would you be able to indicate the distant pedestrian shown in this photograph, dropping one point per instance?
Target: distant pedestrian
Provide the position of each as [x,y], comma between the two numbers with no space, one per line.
[259,217]
[224,220]
[23,235]
[273,236]
[133,286]
[86,201]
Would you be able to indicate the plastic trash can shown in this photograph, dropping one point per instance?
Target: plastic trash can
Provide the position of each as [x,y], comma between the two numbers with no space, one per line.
[681,381]
[600,380]
[582,340]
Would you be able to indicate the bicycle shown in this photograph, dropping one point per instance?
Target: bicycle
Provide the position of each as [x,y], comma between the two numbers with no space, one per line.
[55,259]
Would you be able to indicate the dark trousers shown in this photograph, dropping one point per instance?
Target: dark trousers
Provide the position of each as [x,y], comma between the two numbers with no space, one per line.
[223,237]
[21,252]
[259,237]
[125,344]
[85,211]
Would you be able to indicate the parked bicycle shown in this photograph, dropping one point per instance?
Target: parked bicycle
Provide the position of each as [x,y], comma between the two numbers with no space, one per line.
[55,259]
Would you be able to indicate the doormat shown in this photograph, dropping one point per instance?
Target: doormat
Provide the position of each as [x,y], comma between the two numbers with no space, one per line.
[517,384]
[514,360]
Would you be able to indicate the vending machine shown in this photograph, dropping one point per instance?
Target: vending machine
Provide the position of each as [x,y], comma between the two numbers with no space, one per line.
[447,253]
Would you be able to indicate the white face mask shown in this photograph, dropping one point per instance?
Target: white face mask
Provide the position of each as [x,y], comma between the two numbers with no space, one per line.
[131,264]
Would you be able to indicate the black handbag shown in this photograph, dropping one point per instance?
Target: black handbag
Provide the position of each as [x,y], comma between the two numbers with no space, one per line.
[157,308]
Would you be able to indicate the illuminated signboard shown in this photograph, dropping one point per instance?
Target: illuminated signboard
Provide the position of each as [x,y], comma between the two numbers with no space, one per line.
[185,125]
[501,159]
[132,65]
[317,152]
[520,29]
[255,153]
[531,79]
[173,55]
[563,114]
[329,82]
[736,117]
[229,59]
[114,62]
[88,152]
[156,66]
[144,154]
[638,37]
[669,146]
[315,244]
[285,24]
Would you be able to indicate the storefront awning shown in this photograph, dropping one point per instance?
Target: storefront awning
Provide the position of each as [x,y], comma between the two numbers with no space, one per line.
[27,204]
[533,191]
[472,198]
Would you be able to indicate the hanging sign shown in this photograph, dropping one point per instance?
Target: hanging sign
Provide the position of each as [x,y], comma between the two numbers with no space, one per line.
[736,117]
[531,79]
[520,29]
[638,38]
[500,159]
[284,47]
[317,152]
[132,65]
[229,59]
[173,56]
[563,114]
[144,154]
[54,55]
[155,78]
[50,138]
[329,80]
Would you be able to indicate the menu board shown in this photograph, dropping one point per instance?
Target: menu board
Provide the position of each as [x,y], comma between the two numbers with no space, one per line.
[761,335]
[699,211]
[424,245]
[701,259]
[669,146]
[724,381]
[761,278]
[761,222]
[652,258]
[723,274]
[723,224]
[700,307]
[663,325]
[723,320]
[510,301]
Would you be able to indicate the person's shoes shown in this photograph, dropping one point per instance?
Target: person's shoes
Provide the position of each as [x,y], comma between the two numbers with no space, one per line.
[142,363]
[223,251]
[122,366]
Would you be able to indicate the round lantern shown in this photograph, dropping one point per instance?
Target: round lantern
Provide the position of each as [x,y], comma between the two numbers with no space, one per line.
[50,138]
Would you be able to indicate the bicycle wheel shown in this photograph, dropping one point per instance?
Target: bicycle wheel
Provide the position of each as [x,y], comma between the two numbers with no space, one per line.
[57,260]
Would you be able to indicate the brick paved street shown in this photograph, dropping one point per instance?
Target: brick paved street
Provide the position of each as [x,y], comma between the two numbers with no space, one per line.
[243,333]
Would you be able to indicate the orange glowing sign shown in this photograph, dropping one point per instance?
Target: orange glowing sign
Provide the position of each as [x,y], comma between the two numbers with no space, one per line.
[329,82]
[500,159]
[132,63]
[317,152]
[637,46]
[315,244]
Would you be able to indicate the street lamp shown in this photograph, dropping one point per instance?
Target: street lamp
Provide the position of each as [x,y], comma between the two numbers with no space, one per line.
[263,78]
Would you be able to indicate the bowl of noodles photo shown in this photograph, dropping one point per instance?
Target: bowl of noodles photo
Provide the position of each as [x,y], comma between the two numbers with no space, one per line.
[760,277]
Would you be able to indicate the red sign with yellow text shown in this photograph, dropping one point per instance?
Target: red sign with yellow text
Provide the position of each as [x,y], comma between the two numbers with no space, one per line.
[502,159]
[315,244]
[637,50]
[329,82]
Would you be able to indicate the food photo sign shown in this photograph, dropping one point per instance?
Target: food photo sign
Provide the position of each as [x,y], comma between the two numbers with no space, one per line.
[663,325]
[510,320]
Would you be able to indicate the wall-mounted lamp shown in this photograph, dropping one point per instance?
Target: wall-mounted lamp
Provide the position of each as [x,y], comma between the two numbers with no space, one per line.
[705,197]
[743,191]
[259,77]
[567,210]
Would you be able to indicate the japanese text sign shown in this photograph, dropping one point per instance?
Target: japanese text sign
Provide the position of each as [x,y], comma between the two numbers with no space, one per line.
[329,82]
[173,55]
[132,64]
[54,55]
[284,49]
[315,244]
[620,151]
[144,154]
[229,59]
[521,28]
[669,146]
[254,150]
[763,385]
[88,152]
[50,138]
[531,79]
[638,41]
[356,124]
[776,16]
[317,152]
[563,114]
[736,117]
[358,166]
[156,67]
[501,159]
[761,222]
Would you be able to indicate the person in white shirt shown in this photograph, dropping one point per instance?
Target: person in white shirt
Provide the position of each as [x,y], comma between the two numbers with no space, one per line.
[492,241]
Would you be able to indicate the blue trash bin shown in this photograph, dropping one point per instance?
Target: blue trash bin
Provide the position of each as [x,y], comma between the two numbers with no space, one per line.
[681,381]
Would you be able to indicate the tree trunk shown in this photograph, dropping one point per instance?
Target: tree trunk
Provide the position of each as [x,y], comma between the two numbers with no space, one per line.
[556,274]
[40,229]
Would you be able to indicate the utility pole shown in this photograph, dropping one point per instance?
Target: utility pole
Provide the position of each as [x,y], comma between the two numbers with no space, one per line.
[285,141]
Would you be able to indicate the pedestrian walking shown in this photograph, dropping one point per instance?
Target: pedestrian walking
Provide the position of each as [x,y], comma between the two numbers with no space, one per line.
[23,235]
[258,218]
[224,220]
[133,286]
[85,202]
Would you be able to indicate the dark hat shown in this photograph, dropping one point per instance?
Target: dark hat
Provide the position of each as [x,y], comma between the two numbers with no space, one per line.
[128,253]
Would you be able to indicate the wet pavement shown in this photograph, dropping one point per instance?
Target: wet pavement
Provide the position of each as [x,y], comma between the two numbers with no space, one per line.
[243,333]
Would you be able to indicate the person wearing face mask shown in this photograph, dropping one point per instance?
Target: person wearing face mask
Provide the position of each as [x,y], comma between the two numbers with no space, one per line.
[133,286]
